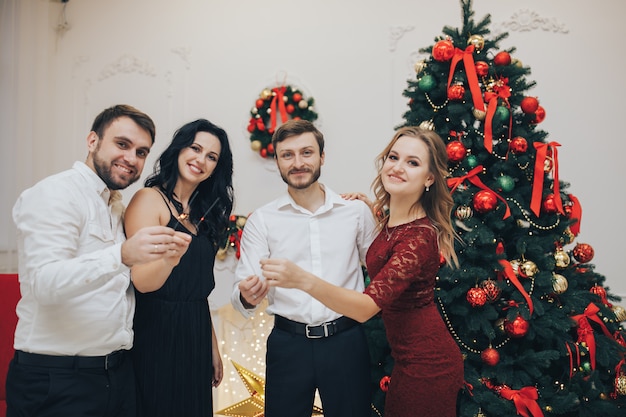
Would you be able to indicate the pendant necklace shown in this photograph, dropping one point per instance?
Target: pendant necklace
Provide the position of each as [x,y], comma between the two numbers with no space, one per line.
[388,233]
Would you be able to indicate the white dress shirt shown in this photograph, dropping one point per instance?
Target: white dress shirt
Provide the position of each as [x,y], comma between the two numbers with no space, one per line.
[76,293]
[330,243]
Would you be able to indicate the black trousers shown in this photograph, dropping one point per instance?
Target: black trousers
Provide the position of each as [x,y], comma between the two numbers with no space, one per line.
[338,366]
[53,386]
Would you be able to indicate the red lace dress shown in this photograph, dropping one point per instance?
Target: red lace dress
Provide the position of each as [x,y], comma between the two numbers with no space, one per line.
[403,262]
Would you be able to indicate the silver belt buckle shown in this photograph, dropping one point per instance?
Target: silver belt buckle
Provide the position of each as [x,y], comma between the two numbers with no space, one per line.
[308,331]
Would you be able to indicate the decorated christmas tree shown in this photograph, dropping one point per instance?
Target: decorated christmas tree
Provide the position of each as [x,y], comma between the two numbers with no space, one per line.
[539,331]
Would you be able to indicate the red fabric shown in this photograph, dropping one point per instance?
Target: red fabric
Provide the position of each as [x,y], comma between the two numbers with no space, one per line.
[9,295]
[403,262]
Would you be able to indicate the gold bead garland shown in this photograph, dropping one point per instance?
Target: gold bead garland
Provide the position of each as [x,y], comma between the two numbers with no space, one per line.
[535,225]
[433,105]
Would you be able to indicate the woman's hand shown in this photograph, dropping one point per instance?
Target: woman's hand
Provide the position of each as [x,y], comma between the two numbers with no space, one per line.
[357,196]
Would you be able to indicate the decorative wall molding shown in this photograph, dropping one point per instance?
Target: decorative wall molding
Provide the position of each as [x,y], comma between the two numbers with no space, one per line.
[184,53]
[526,20]
[395,34]
[127,64]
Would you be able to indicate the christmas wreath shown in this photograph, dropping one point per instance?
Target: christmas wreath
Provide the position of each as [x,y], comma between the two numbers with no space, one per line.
[274,104]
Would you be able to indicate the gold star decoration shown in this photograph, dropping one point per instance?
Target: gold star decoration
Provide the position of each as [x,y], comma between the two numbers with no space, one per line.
[254,405]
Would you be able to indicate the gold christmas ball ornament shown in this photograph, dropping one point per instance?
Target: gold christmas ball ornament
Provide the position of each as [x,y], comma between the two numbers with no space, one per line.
[256,145]
[303,104]
[561,258]
[478,42]
[559,283]
[241,222]
[221,253]
[265,94]
[420,66]
[620,313]
[427,124]
[528,269]
[479,114]
[463,212]
[620,385]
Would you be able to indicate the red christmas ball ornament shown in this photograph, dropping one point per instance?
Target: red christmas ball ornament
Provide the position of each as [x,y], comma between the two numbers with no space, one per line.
[518,145]
[456,92]
[540,115]
[490,356]
[482,68]
[384,383]
[443,50]
[491,289]
[529,105]
[502,58]
[485,201]
[600,292]
[290,108]
[583,253]
[476,297]
[270,148]
[259,103]
[296,97]
[263,152]
[516,328]
[549,204]
[456,151]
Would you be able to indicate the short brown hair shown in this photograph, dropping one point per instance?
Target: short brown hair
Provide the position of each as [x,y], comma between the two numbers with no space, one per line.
[296,127]
[107,116]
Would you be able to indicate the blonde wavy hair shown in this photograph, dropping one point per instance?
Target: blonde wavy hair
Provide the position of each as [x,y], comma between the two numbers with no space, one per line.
[437,202]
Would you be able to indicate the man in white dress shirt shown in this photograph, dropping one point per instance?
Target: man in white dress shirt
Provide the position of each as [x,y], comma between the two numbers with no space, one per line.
[76,311]
[310,347]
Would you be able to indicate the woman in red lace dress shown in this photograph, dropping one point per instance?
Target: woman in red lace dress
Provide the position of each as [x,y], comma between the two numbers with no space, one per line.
[413,206]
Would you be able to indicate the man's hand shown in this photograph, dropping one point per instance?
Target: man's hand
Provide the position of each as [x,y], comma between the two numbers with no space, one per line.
[253,289]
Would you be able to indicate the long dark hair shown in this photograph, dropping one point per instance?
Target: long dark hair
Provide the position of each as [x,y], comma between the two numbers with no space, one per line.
[211,207]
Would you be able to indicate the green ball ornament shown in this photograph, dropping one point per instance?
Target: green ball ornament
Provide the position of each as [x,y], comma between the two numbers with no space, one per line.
[506,183]
[502,114]
[427,83]
[472,161]
[586,366]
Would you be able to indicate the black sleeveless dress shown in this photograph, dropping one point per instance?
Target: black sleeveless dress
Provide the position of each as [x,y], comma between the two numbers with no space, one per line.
[172,351]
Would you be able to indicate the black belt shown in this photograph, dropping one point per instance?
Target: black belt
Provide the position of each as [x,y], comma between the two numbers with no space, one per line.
[314,332]
[110,361]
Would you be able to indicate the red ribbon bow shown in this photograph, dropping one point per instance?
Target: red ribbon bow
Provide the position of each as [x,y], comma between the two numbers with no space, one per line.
[540,160]
[472,177]
[585,331]
[525,400]
[470,72]
[503,91]
[278,98]
[510,274]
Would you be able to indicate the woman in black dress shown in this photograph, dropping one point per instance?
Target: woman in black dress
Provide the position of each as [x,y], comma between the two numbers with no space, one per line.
[175,352]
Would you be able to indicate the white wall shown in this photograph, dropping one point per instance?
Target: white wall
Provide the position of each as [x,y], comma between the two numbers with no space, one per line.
[184,59]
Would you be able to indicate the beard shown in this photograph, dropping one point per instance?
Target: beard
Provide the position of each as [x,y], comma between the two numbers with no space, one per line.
[104,171]
[301,185]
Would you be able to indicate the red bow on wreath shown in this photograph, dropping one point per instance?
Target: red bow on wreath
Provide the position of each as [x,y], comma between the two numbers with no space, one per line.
[279,93]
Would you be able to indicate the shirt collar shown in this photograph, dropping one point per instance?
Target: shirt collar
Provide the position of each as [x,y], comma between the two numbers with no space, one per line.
[95,182]
[330,199]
